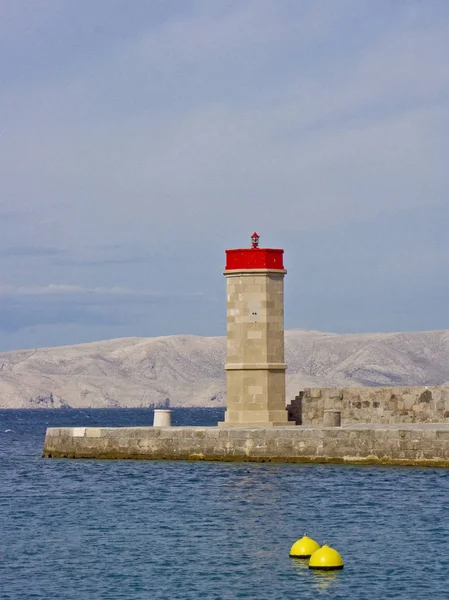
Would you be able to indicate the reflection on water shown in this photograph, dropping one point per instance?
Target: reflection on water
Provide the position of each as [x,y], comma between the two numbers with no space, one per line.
[300,564]
[323,579]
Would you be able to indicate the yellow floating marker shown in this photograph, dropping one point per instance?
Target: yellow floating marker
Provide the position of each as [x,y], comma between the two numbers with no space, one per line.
[326,559]
[304,548]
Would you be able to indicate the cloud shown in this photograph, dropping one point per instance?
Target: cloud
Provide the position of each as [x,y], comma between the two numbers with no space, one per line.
[96,262]
[63,305]
[161,133]
[109,254]
[30,251]
[57,290]
[362,133]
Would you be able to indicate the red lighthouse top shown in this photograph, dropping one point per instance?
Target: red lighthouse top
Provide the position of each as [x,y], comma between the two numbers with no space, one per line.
[254,257]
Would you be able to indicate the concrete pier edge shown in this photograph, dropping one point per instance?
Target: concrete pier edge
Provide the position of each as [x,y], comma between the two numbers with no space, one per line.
[410,445]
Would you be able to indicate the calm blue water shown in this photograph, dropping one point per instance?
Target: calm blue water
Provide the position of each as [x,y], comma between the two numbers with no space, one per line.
[176,530]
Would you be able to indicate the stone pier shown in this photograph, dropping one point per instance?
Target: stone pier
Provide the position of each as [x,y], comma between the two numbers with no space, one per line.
[257,425]
[419,445]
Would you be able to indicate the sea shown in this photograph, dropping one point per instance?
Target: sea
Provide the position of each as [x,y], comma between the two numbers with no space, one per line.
[165,530]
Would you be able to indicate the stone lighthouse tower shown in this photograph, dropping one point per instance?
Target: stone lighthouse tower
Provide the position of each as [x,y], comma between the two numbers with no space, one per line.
[255,368]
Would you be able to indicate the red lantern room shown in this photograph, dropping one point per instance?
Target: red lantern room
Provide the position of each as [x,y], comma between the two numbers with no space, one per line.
[254,257]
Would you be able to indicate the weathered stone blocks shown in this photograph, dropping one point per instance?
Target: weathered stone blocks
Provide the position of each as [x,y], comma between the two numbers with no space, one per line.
[411,445]
[255,368]
[377,405]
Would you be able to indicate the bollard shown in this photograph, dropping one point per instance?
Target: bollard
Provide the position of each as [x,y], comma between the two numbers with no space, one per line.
[332,418]
[162,418]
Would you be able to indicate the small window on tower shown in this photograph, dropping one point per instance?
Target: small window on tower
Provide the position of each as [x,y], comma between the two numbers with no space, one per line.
[253,311]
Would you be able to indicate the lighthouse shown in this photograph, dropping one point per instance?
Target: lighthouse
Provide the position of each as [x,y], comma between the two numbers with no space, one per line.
[255,367]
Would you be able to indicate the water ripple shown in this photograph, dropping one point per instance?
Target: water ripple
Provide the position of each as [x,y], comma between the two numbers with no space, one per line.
[219,531]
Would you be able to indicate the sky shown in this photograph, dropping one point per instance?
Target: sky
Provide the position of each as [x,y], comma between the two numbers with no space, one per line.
[139,140]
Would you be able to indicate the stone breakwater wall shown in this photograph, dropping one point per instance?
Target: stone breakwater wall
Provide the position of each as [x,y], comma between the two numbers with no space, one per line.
[385,405]
[423,445]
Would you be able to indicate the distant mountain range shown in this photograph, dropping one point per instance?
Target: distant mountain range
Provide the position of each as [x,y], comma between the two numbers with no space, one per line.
[186,370]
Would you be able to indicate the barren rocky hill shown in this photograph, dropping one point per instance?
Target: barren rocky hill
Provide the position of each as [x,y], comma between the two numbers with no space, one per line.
[186,370]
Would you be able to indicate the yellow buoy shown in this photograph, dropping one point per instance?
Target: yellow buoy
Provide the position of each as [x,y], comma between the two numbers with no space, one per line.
[304,548]
[326,558]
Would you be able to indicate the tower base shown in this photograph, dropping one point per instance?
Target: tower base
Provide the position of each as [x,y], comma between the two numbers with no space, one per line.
[255,395]
[256,418]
